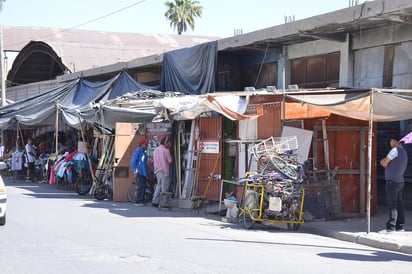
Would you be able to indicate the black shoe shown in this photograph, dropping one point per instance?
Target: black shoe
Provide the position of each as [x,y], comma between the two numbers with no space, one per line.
[400,228]
[155,205]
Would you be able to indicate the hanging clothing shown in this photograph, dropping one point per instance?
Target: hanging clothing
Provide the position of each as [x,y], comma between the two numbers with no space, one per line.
[17,160]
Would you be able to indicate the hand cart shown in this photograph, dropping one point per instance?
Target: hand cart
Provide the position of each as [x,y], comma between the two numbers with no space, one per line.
[270,200]
[275,194]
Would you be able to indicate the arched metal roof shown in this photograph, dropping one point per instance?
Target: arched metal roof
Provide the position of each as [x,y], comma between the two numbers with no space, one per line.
[45,53]
[36,62]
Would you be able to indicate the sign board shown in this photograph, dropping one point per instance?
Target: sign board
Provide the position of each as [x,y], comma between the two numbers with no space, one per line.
[154,133]
[209,146]
[304,141]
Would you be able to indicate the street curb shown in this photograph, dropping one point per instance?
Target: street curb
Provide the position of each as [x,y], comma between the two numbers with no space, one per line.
[369,240]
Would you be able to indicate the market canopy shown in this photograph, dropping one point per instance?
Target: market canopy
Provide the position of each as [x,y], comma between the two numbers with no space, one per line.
[73,102]
[388,104]
[81,101]
[84,101]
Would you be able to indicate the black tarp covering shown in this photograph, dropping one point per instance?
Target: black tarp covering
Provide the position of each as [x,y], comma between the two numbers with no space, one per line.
[190,70]
[125,84]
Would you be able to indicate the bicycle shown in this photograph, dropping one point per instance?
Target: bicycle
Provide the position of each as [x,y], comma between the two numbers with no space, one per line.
[289,170]
[84,181]
[104,184]
[149,191]
[41,168]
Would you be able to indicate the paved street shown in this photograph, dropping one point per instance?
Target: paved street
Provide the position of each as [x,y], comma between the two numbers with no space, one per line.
[56,231]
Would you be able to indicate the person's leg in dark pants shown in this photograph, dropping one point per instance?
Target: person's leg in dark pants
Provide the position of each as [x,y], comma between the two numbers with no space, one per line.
[141,188]
[391,200]
[400,221]
[31,171]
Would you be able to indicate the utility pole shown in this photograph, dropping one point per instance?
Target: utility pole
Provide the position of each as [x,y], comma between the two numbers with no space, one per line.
[3,80]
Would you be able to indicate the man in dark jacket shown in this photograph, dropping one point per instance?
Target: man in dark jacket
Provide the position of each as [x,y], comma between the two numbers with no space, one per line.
[138,163]
[395,165]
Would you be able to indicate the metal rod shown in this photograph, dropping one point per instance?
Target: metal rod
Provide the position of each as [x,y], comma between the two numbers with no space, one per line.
[3,73]
[368,202]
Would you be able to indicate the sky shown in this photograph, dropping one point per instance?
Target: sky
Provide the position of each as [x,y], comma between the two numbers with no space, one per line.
[220,18]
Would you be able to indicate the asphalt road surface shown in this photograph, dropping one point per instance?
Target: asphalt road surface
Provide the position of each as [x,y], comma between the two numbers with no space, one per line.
[50,230]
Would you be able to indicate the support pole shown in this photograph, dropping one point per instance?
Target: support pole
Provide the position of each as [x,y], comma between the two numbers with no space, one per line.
[325,145]
[88,159]
[3,79]
[284,87]
[370,135]
[187,189]
[56,130]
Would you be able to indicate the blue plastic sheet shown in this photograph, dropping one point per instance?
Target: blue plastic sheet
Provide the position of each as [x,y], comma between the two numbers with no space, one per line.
[190,70]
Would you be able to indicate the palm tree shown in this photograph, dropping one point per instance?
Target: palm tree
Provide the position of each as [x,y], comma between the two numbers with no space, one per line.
[182,13]
[1,4]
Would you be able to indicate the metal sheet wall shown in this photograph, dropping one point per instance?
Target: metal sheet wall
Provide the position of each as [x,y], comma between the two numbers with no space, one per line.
[270,123]
[316,71]
[210,169]
[348,145]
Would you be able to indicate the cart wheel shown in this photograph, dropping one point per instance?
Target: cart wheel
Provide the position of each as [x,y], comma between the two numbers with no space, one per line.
[293,227]
[251,210]
[293,216]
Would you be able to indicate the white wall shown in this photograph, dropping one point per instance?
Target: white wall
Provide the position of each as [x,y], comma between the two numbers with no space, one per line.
[362,56]
[402,71]
[21,92]
[247,131]
[368,71]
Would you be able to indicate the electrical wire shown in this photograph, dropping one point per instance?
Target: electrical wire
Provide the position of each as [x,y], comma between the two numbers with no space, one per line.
[107,15]
[262,63]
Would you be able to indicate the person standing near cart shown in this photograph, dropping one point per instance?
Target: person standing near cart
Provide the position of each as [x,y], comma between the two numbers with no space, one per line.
[395,164]
[138,163]
[162,159]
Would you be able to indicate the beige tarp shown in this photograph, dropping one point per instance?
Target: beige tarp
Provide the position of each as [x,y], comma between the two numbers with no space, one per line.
[388,105]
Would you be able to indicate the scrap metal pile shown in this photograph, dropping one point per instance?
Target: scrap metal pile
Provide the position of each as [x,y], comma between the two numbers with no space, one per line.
[275,192]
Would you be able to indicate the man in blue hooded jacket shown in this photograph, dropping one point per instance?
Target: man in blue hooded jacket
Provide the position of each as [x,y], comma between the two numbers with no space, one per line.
[138,163]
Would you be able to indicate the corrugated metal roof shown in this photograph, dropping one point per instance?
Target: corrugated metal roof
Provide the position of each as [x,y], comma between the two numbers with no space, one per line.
[82,49]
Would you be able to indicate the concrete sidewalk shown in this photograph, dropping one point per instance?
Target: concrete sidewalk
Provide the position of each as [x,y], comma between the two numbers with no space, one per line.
[355,230]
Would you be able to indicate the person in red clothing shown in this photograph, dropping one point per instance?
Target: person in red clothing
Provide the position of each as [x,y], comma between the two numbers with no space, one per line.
[162,159]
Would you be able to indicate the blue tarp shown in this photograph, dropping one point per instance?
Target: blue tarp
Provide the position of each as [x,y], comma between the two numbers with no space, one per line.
[126,83]
[74,99]
[191,71]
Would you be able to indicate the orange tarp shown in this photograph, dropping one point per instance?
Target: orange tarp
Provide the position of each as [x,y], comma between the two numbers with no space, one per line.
[297,111]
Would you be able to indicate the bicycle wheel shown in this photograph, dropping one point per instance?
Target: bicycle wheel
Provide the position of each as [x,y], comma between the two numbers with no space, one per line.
[132,194]
[84,183]
[100,193]
[284,167]
[109,192]
[251,210]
